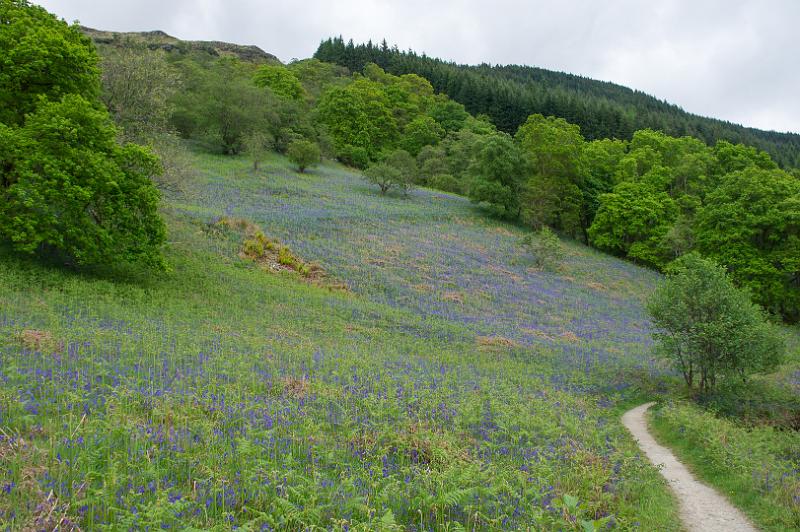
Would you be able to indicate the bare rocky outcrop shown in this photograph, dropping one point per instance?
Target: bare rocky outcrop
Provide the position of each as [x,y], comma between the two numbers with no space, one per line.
[158,40]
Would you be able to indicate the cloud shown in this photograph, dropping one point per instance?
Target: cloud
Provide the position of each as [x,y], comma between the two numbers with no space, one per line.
[730,59]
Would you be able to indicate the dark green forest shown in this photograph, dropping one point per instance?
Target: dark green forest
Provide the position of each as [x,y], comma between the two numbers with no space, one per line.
[508,94]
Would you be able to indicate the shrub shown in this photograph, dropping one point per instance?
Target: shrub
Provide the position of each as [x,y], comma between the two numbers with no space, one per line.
[545,247]
[445,182]
[708,328]
[252,247]
[303,153]
[354,156]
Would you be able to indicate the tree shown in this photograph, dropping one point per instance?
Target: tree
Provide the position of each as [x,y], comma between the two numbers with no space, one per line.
[41,55]
[552,145]
[383,175]
[256,144]
[497,175]
[219,105]
[280,80]
[445,182]
[404,162]
[358,116]
[599,162]
[508,94]
[553,150]
[67,187]
[397,170]
[734,157]
[316,76]
[431,161]
[449,114]
[405,169]
[461,148]
[138,84]
[545,247]
[751,224]
[303,153]
[709,329]
[420,132]
[633,221]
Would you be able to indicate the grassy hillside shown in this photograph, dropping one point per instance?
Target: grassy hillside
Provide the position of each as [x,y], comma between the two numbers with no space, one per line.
[450,383]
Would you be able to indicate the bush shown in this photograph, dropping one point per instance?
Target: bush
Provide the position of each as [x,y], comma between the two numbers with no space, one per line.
[545,247]
[445,182]
[303,153]
[354,156]
[708,328]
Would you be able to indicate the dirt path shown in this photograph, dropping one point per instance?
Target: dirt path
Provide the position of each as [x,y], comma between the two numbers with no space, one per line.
[702,509]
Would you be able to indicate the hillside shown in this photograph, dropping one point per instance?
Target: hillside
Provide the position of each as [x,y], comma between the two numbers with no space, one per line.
[424,393]
[510,93]
[158,40]
[236,294]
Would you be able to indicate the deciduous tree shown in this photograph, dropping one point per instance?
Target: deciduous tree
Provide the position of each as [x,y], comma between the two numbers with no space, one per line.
[303,153]
[708,328]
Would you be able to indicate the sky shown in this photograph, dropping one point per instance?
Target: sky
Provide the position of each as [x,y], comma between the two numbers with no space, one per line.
[738,60]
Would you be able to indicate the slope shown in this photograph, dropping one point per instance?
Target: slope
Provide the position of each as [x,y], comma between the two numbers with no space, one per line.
[423,396]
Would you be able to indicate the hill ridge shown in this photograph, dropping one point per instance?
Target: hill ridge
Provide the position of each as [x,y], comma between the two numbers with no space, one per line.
[508,94]
[158,39]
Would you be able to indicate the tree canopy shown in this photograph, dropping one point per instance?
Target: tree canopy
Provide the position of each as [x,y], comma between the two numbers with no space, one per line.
[66,187]
[708,328]
[41,56]
[279,80]
[509,94]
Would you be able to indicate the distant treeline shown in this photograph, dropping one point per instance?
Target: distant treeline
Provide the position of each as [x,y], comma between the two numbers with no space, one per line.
[509,94]
[650,199]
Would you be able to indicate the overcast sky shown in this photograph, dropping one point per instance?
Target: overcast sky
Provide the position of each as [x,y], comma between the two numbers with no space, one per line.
[738,60]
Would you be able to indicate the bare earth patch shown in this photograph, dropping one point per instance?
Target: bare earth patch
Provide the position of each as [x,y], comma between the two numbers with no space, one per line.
[489,342]
[37,340]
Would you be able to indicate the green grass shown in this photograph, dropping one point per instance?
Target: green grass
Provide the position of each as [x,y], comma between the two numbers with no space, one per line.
[451,386]
[755,467]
